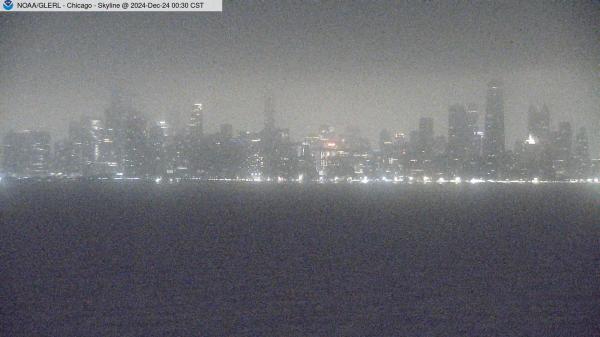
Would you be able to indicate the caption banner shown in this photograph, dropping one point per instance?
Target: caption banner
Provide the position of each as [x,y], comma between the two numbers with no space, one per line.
[112,5]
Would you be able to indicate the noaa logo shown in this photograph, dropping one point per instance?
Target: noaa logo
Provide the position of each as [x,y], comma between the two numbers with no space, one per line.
[8,5]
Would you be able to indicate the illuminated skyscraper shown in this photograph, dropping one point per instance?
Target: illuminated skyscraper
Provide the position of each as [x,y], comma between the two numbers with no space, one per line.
[119,117]
[473,119]
[388,158]
[195,126]
[194,144]
[158,142]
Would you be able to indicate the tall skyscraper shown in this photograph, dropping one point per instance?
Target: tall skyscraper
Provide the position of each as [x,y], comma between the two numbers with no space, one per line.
[136,157]
[115,115]
[426,137]
[27,153]
[424,146]
[539,159]
[581,155]
[473,157]
[459,138]
[118,135]
[194,143]
[472,118]
[562,150]
[269,114]
[494,141]
[270,141]
[385,142]
[538,124]
[388,157]
[158,142]
[564,140]
[89,152]
[196,124]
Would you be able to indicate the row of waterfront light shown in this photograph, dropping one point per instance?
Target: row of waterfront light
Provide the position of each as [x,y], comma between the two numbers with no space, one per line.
[336,180]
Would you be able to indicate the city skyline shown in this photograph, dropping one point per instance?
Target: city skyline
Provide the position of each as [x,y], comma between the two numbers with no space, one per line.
[276,117]
[126,144]
[299,168]
[367,65]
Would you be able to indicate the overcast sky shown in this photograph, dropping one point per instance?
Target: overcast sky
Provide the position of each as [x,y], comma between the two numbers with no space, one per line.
[369,64]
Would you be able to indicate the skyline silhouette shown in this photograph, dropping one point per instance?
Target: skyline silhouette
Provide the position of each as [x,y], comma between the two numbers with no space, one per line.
[369,65]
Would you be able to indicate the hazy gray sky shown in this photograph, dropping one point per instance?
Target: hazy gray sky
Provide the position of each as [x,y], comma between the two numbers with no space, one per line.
[369,64]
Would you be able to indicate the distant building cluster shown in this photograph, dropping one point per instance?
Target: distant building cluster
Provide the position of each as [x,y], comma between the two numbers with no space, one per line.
[125,145]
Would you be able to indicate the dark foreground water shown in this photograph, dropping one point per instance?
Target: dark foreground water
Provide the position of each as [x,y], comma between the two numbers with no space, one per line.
[258,260]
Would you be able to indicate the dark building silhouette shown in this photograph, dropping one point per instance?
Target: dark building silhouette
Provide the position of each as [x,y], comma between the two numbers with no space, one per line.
[125,142]
[126,145]
[159,139]
[425,144]
[538,124]
[494,137]
[115,119]
[226,131]
[562,145]
[135,158]
[539,154]
[269,114]
[472,165]
[426,136]
[27,153]
[460,135]
[581,155]
[278,152]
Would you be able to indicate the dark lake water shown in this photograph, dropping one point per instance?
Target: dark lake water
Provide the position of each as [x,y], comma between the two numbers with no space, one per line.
[336,260]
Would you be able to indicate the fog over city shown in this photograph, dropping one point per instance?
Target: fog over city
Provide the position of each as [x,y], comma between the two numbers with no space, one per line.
[299,168]
[371,65]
